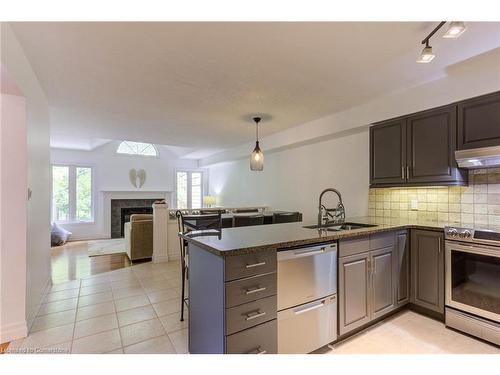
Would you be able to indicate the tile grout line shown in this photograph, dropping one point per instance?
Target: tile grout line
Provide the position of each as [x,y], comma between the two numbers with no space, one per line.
[141,284]
[74,323]
[158,317]
[117,321]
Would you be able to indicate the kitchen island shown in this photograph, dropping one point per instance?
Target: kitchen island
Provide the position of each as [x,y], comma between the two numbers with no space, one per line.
[234,292]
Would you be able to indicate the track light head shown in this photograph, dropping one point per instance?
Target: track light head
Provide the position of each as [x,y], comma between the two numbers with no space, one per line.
[455,29]
[426,56]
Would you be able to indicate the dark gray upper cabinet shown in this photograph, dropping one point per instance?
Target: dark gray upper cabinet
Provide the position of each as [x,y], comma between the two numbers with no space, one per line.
[431,144]
[388,152]
[416,150]
[479,122]
[427,269]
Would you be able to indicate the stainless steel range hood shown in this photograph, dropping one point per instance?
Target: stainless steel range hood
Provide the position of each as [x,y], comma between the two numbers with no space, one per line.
[485,157]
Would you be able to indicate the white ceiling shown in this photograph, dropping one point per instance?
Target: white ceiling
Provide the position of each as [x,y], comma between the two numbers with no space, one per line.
[195,85]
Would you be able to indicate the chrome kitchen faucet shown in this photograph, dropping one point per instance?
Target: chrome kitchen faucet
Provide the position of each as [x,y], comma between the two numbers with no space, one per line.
[336,214]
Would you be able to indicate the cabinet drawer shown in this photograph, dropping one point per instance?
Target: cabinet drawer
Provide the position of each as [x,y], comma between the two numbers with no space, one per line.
[354,246]
[378,241]
[241,266]
[250,289]
[250,314]
[262,339]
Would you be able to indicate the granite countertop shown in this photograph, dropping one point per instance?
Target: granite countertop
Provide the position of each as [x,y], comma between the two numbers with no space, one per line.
[244,240]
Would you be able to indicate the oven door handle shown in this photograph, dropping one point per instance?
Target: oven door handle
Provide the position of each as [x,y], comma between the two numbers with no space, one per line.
[473,249]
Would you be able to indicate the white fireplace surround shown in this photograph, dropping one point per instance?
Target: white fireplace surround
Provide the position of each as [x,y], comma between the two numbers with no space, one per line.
[108,195]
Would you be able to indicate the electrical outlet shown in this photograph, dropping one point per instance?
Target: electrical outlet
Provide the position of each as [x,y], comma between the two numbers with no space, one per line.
[414,205]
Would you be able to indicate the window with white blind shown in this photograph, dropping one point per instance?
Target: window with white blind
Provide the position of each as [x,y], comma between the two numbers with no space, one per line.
[189,189]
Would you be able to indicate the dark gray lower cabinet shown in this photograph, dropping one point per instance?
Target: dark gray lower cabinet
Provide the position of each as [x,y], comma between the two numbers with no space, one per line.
[354,284]
[367,280]
[403,272]
[383,280]
[258,340]
[232,303]
[427,269]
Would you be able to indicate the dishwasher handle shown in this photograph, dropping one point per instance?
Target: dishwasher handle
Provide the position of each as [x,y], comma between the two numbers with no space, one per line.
[310,308]
[307,251]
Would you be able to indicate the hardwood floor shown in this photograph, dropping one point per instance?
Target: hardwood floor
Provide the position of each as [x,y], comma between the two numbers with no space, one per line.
[3,347]
[71,262]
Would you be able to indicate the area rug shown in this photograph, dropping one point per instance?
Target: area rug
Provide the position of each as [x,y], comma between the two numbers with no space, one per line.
[105,247]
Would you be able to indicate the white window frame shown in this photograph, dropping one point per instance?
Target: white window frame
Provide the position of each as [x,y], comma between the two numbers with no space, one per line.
[204,184]
[137,155]
[72,194]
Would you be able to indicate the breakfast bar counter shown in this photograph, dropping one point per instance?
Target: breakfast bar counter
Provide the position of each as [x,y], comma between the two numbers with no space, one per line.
[254,239]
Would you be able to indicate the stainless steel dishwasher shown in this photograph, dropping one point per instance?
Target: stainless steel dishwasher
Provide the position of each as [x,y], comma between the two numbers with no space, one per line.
[307,297]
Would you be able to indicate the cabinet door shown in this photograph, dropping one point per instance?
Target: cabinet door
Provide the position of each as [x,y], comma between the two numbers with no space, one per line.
[354,310]
[479,122]
[427,259]
[402,268]
[431,138]
[388,153]
[382,274]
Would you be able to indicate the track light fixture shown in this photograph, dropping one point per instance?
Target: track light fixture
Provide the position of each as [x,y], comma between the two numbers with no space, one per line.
[454,31]
[426,56]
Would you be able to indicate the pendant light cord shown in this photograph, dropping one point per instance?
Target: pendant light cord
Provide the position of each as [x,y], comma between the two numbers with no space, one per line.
[257,120]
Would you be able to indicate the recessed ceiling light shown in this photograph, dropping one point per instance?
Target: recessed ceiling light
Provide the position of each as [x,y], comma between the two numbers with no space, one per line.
[426,56]
[455,30]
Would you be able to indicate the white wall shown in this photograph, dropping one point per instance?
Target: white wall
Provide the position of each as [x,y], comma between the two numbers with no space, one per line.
[477,76]
[293,179]
[38,129]
[111,173]
[298,166]
[13,174]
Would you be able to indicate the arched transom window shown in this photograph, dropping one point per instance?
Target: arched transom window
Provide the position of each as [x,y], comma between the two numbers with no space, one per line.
[137,148]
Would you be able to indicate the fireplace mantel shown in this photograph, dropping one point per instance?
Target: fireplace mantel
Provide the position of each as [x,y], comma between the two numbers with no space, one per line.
[116,193]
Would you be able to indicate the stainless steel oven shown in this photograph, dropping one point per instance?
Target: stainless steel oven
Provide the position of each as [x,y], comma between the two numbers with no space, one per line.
[473,281]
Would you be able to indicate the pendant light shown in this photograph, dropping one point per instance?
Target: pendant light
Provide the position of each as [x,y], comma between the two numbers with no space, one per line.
[257,157]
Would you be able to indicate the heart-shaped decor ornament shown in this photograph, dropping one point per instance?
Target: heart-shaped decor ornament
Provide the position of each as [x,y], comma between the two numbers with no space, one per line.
[137,177]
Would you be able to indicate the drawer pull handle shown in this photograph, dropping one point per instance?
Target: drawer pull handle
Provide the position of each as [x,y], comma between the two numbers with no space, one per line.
[255,265]
[257,351]
[302,311]
[255,316]
[256,290]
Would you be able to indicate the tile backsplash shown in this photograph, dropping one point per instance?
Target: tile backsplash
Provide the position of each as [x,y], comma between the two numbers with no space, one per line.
[478,203]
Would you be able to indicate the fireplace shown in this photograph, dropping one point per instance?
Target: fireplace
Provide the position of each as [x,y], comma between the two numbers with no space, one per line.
[121,209]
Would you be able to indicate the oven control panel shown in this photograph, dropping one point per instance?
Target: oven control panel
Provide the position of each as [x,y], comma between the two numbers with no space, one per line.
[471,235]
[453,233]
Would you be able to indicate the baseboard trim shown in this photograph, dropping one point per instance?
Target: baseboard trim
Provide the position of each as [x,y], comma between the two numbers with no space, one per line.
[74,238]
[13,331]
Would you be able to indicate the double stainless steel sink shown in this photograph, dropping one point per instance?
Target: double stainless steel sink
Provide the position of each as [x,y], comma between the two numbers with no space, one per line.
[336,227]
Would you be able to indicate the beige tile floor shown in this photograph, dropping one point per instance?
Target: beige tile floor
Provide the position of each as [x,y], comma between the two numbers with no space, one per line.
[130,310]
[136,310]
[411,333]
